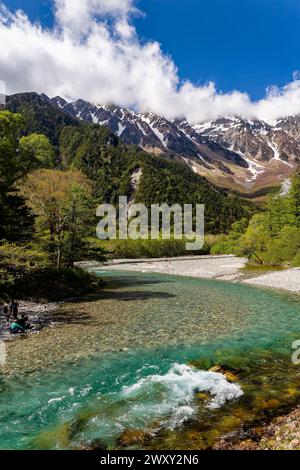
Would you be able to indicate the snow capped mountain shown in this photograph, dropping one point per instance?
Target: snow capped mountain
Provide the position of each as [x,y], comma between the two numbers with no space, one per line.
[231,151]
[256,139]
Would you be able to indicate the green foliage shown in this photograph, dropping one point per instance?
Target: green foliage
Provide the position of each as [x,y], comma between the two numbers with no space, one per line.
[40,148]
[271,237]
[15,262]
[101,156]
[39,116]
[15,162]
[296,260]
[52,284]
[62,203]
[229,244]
[133,249]
[279,212]
[284,247]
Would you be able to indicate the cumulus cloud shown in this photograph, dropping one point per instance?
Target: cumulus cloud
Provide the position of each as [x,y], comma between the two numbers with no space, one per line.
[80,16]
[94,53]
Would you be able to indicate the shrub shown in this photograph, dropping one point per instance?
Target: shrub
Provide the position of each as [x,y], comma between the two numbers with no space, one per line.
[133,249]
[296,260]
[52,284]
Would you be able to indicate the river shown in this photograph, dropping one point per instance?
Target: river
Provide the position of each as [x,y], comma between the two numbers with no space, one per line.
[136,357]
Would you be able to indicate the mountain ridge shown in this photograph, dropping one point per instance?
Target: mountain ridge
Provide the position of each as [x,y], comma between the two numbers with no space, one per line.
[232,152]
[246,153]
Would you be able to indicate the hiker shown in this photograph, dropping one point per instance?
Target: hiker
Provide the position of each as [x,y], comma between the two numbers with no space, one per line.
[14,309]
[5,311]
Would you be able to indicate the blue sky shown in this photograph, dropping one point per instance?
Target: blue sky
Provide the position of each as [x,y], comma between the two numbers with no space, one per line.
[239,44]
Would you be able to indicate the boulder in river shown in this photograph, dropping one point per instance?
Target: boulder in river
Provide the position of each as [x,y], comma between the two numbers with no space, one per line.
[230,376]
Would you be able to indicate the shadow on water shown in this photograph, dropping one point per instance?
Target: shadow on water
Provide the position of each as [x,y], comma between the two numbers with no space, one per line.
[117,280]
[136,295]
[114,289]
[123,296]
[79,318]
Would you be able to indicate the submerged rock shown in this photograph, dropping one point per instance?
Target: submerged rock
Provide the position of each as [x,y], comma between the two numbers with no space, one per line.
[230,376]
[266,404]
[58,438]
[133,437]
[202,396]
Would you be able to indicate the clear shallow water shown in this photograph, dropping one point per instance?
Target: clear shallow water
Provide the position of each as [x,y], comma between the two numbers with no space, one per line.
[162,324]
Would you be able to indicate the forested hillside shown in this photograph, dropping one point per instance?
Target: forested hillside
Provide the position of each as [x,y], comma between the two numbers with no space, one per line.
[109,164]
[39,116]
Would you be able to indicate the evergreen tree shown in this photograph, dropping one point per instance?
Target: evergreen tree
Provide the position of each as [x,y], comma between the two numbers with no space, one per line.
[15,162]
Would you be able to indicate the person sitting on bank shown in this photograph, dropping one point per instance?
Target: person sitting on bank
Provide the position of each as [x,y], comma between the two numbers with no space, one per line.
[20,325]
[16,327]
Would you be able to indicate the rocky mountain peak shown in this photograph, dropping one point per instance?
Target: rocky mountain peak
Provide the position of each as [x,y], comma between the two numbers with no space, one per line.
[231,148]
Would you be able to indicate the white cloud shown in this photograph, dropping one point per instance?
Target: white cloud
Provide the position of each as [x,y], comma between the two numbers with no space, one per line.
[94,53]
[80,16]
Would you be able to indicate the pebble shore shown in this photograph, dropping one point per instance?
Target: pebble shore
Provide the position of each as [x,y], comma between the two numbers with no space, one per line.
[288,280]
[226,267]
[39,316]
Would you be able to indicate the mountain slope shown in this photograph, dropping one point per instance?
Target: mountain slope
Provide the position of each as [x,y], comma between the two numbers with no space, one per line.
[232,152]
[151,132]
[39,114]
[120,169]
[255,139]
[272,150]
[116,168]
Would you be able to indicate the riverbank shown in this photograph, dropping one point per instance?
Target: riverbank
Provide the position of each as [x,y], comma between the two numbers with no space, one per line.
[223,268]
[41,292]
[288,279]
[40,315]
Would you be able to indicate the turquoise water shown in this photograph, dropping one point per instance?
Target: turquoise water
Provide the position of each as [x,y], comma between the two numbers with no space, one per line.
[166,323]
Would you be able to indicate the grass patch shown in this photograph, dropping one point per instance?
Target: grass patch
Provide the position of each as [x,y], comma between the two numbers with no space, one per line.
[262,267]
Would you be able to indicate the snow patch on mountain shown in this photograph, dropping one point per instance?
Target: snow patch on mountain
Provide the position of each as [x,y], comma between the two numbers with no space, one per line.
[208,145]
